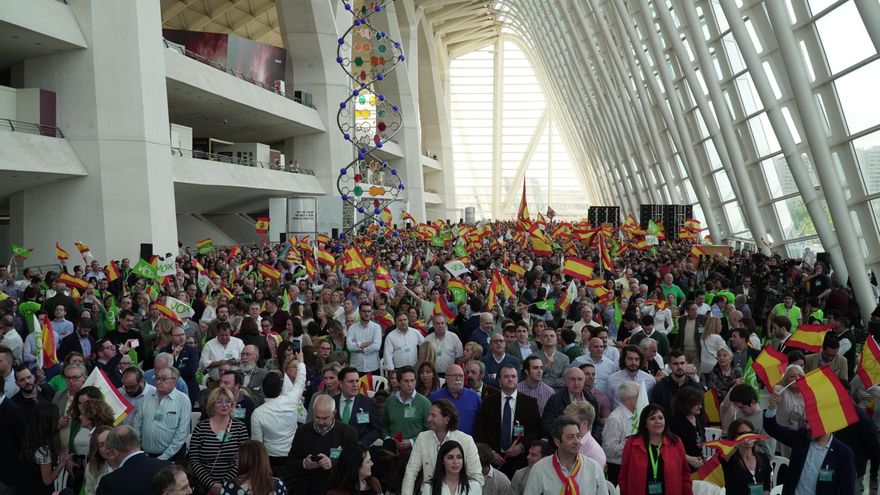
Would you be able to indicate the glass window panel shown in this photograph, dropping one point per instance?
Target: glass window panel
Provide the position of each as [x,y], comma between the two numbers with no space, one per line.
[712,154]
[756,41]
[841,50]
[734,217]
[771,77]
[733,55]
[807,61]
[725,189]
[763,135]
[799,248]
[868,154]
[794,218]
[857,92]
[748,95]
[778,177]
[786,114]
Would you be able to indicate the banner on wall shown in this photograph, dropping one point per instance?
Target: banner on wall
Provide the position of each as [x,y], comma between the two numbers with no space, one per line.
[302,215]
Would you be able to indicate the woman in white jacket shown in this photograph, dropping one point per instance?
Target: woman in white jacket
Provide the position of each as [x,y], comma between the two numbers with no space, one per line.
[443,424]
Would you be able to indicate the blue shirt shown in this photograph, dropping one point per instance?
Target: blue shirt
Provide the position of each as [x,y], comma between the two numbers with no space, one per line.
[86,345]
[62,327]
[812,465]
[493,366]
[467,404]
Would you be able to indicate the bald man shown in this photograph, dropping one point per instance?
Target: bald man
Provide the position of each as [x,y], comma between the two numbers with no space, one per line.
[481,335]
[466,400]
[252,375]
[573,392]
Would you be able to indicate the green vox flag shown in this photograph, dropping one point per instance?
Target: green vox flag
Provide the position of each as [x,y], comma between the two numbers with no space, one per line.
[459,295]
[436,241]
[653,228]
[749,377]
[20,251]
[459,250]
[145,270]
[546,304]
[111,315]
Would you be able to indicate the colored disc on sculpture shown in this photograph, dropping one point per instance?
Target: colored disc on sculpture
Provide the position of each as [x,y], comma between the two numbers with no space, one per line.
[358,177]
[376,191]
[376,139]
[363,77]
[358,191]
[358,61]
[381,126]
[362,99]
[374,60]
[381,114]
[383,48]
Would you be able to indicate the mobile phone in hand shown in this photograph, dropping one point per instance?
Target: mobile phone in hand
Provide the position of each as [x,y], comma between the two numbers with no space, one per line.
[296,346]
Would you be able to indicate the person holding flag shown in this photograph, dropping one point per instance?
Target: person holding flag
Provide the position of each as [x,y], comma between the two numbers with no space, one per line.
[748,468]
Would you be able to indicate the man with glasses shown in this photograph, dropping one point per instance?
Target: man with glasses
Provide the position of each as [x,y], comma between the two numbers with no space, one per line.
[134,387]
[171,480]
[163,421]
[465,400]
[109,357]
[364,340]
[75,376]
[186,360]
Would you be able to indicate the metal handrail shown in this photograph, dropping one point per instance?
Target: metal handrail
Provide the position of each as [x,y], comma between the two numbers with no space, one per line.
[31,128]
[245,77]
[247,162]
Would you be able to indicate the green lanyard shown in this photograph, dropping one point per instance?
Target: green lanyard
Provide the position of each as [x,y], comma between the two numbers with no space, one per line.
[655,462]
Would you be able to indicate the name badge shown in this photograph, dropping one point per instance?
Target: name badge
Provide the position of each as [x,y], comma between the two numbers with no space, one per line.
[409,412]
[826,475]
[229,355]
[239,413]
[518,430]
[222,437]
[406,349]
[756,489]
[335,453]
[159,417]
[655,488]
[363,418]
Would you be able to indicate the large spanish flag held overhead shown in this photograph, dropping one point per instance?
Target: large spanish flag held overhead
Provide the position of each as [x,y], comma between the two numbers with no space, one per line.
[808,337]
[523,215]
[829,407]
[770,366]
[578,268]
[869,363]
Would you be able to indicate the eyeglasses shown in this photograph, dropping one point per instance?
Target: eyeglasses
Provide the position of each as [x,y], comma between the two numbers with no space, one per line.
[164,378]
[71,378]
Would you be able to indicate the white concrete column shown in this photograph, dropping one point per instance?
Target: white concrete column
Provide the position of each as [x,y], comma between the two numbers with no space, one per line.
[112,108]
[277,218]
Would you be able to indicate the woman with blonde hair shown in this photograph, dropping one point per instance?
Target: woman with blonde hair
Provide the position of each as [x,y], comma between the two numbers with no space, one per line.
[472,352]
[254,474]
[427,352]
[100,461]
[214,443]
[710,342]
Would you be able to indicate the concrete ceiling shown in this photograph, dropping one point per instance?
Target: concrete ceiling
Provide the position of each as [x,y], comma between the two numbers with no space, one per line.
[211,115]
[194,198]
[13,181]
[18,43]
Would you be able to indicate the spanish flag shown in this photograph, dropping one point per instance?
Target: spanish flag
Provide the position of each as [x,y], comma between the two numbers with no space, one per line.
[84,251]
[828,406]
[112,271]
[517,269]
[407,216]
[710,471]
[226,292]
[44,334]
[770,366]
[322,239]
[523,214]
[440,308]
[233,252]
[365,384]
[693,225]
[384,283]
[539,246]
[604,295]
[384,320]
[386,216]
[595,283]
[61,254]
[725,447]
[504,284]
[168,313]
[353,262]
[73,281]
[311,269]
[578,268]
[642,245]
[604,256]
[712,406]
[262,225]
[808,337]
[205,246]
[269,272]
[697,251]
[324,256]
[569,297]
[869,363]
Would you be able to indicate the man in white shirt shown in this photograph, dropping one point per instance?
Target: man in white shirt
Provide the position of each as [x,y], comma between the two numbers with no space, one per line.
[448,345]
[274,423]
[222,349]
[402,344]
[550,474]
[586,322]
[604,366]
[364,340]
[631,371]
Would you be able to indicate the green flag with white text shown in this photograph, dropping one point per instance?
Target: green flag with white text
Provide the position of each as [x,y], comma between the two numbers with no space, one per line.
[145,270]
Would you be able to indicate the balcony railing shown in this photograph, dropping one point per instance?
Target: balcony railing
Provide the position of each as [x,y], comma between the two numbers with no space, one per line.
[195,56]
[30,128]
[216,157]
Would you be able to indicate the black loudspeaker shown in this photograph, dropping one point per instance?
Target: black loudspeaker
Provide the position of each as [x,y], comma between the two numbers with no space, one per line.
[597,215]
[146,251]
[334,233]
[282,237]
[824,258]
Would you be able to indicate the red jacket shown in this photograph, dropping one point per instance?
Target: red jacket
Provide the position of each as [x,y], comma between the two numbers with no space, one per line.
[634,470]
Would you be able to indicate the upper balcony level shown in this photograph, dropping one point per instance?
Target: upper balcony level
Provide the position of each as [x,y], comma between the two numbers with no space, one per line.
[218,104]
[36,28]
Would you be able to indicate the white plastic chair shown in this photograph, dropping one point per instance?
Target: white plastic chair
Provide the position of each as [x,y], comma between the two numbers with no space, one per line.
[776,463]
[612,490]
[442,382]
[777,490]
[701,487]
[380,382]
[711,434]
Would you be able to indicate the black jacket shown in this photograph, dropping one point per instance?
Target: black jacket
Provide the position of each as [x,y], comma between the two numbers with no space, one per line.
[133,478]
[368,432]
[862,438]
[839,460]
[71,344]
[12,427]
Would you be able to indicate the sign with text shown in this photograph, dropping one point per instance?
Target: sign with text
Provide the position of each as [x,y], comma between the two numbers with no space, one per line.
[302,215]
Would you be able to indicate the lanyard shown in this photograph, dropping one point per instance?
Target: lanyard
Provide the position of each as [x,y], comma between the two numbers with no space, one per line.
[654,461]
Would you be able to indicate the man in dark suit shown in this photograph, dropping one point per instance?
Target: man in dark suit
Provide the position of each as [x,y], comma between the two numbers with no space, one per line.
[12,427]
[834,474]
[556,404]
[62,299]
[316,447]
[75,341]
[520,423]
[358,411]
[135,469]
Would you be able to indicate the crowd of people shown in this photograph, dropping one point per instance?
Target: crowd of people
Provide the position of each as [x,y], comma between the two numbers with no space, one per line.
[379,370]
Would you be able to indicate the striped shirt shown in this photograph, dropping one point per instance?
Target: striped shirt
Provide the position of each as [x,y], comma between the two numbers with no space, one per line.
[163,425]
[211,460]
[541,392]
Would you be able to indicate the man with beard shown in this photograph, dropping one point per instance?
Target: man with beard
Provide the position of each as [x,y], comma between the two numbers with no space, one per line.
[316,446]
[30,395]
[186,360]
[252,375]
[134,388]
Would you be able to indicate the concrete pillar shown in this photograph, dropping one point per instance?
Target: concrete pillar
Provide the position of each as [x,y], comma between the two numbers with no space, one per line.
[112,108]
[277,218]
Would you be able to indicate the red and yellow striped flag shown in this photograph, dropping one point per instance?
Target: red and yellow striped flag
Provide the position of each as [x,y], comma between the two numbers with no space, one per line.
[504,284]
[325,257]
[440,308]
[268,271]
[869,363]
[365,384]
[770,366]
[712,406]
[539,246]
[353,262]
[808,337]
[262,225]
[384,283]
[710,471]
[604,257]
[595,283]
[386,216]
[73,281]
[725,447]
[604,295]
[407,216]
[697,251]
[61,254]
[322,239]
[311,269]
[233,252]
[578,268]
[112,271]
[517,269]
[829,407]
